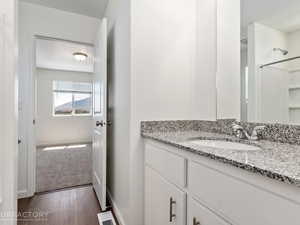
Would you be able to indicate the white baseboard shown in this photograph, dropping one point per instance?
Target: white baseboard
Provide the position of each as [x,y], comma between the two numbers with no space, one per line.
[116,210]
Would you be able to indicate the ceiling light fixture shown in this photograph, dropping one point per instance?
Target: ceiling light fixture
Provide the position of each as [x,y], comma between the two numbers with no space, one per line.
[80,56]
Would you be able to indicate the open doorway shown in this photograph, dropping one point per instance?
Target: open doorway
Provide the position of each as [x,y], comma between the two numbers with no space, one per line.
[62,87]
[63,121]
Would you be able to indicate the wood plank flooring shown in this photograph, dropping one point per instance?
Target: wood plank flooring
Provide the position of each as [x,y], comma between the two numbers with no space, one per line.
[76,206]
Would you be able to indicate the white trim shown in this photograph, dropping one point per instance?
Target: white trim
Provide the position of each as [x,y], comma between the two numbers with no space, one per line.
[2,64]
[116,210]
[9,109]
[28,133]
[292,87]
[65,70]
[23,194]
[43,37]
[32,114]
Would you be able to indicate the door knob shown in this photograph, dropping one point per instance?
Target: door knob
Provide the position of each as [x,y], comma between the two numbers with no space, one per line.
[100,123]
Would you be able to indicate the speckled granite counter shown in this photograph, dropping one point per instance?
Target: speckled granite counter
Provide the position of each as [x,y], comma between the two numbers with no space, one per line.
[279,161]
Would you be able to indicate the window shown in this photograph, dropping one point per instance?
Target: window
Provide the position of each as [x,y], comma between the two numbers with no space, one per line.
[97,98]
[72,98]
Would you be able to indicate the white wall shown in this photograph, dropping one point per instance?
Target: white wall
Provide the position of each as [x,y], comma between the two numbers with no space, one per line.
[163,59]
[293,39]
[228,59]
[294,51]
[51,130]
[261,41]
[38,20]
[274,95]
[203,81]
[161,67]
[267,38]
[8,112]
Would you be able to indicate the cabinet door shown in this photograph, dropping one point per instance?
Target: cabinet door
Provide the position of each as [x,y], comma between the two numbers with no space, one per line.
[199,215]
[164,202]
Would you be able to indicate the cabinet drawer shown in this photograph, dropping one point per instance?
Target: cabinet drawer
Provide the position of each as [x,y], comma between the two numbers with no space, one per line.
[171,166]
[198,214]
[238,201]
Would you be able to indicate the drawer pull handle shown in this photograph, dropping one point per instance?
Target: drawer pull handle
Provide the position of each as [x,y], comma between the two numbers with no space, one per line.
[195,222]
[172,215]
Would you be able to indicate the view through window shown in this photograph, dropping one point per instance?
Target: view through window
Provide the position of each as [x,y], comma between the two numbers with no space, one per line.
[72,98]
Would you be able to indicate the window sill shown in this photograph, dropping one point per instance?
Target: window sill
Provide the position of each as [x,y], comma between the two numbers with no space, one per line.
[68,116]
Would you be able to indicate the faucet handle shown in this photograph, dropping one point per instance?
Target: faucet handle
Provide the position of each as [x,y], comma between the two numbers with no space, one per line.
[238,130]
[236,126]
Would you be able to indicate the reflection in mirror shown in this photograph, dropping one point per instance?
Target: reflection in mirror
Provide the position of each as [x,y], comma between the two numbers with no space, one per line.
[270,61]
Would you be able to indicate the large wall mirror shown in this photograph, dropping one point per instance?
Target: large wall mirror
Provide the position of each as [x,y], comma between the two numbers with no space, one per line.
[270,61]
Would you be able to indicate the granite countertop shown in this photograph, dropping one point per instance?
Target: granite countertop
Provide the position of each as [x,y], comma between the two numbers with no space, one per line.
[279,161]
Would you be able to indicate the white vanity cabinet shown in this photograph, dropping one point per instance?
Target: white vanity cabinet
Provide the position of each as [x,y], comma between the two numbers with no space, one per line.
[165,178]
[184,188]
[166,193]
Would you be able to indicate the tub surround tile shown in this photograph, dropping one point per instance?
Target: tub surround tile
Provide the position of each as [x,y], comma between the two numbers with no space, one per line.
[279,157]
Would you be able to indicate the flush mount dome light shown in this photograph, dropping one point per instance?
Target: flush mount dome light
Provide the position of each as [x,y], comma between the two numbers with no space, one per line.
[80,56]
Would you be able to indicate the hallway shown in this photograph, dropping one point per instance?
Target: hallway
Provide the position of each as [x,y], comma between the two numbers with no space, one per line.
[74,206]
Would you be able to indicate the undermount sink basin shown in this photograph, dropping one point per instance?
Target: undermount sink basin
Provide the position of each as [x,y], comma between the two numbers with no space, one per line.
[224,145]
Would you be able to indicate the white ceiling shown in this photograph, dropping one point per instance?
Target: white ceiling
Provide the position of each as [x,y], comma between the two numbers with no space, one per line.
[92,8]
[283,15]
[280,14]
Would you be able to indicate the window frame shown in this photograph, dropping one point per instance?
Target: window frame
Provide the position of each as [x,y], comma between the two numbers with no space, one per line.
[73,92]
[98,92]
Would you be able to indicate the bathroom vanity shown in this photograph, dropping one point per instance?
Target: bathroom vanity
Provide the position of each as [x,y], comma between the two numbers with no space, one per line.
[189,181]
[198,172]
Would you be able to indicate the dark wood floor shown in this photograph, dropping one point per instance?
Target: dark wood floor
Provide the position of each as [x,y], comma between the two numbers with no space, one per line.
[76,206]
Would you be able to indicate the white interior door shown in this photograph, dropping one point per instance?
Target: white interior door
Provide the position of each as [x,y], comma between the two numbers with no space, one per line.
[100,115]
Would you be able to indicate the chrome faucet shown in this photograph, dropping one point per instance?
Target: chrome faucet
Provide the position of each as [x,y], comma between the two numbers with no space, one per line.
[241,133]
